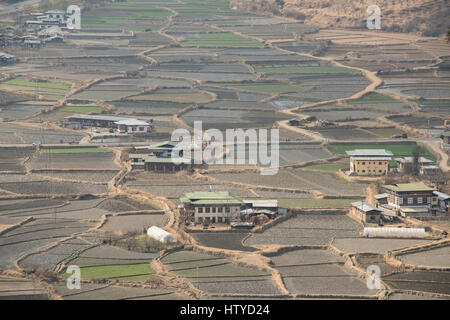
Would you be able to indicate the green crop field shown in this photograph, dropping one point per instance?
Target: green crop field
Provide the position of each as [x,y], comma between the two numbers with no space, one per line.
[51,90]
[385,132]
[374,98]
[192,264]
[82,109]
[122,272]
[328,167]
[316,203]
[397,150]
[225,39]
[304,69]
[74,150]
[262,87]
[26,83]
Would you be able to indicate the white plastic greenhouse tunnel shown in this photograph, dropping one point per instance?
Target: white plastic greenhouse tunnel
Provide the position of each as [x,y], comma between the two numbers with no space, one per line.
[395,232]
[161,235]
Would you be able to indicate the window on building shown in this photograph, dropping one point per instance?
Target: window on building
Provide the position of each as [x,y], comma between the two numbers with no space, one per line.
[419,200]
[227,210]
[364,171]
[410,200]
[363,163]
[379,171]
[207,210]
[428,199]
[220,210]
[219,219]
[200,210]
[380,163]
[400,201]
[214,210]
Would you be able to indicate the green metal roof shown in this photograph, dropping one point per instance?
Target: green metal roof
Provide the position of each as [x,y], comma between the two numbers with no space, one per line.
[405,187]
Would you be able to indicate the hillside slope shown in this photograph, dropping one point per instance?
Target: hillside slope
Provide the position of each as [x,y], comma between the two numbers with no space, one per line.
[429,17]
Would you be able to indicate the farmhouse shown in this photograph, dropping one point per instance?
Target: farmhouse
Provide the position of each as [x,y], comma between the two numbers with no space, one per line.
[158,158]
[50,18]
[159,164]
[405,164]
[124,125]
[446,137]
[381,198]
[443,200]
[365,212]
[264,206]
[133,126]
[412,198]
[210,207]
[429,170]
[369,162]
[6,58]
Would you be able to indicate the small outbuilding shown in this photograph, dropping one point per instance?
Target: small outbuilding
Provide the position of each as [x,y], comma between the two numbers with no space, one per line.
[443,200]
[366,212]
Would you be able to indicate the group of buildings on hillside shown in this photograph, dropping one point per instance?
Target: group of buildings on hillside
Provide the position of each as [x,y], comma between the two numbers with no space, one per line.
[417,200]
[222,207]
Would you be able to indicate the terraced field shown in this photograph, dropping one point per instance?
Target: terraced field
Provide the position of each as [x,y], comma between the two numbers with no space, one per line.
[307,229]
[312,271]
[206,271]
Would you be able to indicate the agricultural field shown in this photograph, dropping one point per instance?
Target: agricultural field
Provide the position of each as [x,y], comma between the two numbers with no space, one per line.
[206,271]
[312,271]
[299,179]
[433,258]
[223,240]
[347,132]
[419,120]
[307,229]
[365,245]
[92,158]
[14,288]
[134,222]
[316,203]
[426,281]
[50,90]
[438,107]
[22,110]
[92,291]
[221,40]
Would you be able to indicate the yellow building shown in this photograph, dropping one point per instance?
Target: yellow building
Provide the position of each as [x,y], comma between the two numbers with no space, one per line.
[369,162]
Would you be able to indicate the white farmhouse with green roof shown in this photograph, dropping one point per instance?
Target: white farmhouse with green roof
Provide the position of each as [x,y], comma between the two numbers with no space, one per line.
[210,207]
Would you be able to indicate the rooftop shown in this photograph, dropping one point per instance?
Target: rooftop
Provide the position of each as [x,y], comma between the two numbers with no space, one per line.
[410,160]
[364,206]
[132,122]
[209,197]
[370,153]
[441,195]
[96,117]
[405,187]
[263,203]
[155,159]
